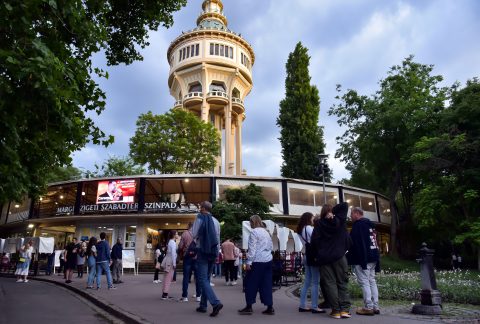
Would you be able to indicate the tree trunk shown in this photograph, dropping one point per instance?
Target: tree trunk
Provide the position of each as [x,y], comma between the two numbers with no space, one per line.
[478,259]
[394,212]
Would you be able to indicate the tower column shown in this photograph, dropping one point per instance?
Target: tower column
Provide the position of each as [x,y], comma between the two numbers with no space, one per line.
[205,109]
[238,145]
[228,140]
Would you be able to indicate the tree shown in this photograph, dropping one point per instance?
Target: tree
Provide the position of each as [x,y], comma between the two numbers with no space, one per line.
[175,142]
[47,93]
[447,166]
[382,130]
[300,136]
[239,205]
[65,173]
[117,166]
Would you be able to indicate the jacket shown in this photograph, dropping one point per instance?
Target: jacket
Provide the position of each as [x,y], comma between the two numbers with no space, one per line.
[330,238]
[103,252]
[364,244]
[117,251]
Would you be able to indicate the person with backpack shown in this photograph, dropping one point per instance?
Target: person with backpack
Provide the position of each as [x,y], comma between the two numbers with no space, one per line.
[259,271]
[206,233]
[331,242]
[159,255]
[103,261]
[187,250]
[312,271]
[364,257]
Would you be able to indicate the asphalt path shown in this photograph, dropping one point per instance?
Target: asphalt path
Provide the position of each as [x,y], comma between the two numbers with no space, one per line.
[41,302]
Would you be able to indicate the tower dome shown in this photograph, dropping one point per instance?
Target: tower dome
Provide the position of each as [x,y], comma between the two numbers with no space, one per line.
[211,75]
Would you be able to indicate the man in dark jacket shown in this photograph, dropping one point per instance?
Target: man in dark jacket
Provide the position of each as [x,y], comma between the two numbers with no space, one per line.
[330,239]
[364,257]
[117,261]
[103,261]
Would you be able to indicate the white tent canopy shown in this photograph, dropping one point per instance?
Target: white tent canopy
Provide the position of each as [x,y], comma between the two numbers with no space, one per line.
[283,238]
[40,244]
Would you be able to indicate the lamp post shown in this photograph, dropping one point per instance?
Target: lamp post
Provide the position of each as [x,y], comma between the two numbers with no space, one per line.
[322,158]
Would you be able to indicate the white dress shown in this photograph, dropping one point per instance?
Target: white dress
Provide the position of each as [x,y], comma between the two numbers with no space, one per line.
[22,268]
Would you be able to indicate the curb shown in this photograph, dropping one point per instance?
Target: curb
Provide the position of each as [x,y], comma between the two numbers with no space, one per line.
[112,310]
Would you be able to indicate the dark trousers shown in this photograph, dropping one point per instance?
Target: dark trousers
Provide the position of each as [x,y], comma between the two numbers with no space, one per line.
[189,266]
[335,276]
[155,276]
[259,279]
[230,271]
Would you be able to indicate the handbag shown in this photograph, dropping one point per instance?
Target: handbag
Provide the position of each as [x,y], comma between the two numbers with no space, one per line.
[311,253]
[22,260]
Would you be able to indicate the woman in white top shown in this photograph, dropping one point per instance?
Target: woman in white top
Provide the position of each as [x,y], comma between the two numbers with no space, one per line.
[169,263]
[312,272]
[258,268]
[23,264]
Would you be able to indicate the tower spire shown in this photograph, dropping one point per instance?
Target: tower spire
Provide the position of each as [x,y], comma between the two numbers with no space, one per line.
[212,15]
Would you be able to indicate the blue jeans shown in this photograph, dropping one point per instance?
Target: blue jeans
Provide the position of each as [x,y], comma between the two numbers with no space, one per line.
[101,267]
[189,266]
[91,270]
[204,268]
[312,279]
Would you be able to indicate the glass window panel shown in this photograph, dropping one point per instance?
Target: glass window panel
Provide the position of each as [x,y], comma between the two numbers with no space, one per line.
[197,49]
[216,49]
[231,52]
[222,53]
[211,48]
[175,195]
[58,201]
[368,204]
[188,51]
[226,51]
[352,200]
[332,197]
[272,195]
[301,197]
[384,206]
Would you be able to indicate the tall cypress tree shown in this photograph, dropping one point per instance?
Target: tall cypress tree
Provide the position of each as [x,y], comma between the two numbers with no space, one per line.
[300,135]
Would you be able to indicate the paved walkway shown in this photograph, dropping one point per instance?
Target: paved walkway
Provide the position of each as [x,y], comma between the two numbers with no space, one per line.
[140,299]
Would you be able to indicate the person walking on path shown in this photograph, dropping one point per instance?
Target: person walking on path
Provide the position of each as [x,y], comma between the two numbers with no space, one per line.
[91,261]
[258,268]
[312,271]
[330,239]
[117,261]
[81,259]
[364,257]
[71,259]
[103,261]
[188,253]
[159,255]
[206,233]
[169,263]
[229,257]
[23,264]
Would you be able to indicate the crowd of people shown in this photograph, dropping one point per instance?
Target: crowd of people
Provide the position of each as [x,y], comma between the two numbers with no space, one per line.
[329,251]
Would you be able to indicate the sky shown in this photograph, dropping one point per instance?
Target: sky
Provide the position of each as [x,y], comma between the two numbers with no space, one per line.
[351,42]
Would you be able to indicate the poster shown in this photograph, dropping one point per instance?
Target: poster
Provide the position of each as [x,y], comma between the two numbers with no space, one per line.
[128,259]
[116,191]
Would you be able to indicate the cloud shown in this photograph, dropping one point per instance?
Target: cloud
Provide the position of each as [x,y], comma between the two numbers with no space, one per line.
[351,42]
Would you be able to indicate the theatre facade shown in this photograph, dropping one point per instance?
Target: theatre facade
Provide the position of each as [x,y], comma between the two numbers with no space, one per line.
[142,209]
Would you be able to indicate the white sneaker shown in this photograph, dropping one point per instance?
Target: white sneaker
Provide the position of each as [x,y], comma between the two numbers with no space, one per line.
[26,280]
[199,299]
[155,281]
[234,283]
[183,299]
[20,280]
[212,284]
[193,296]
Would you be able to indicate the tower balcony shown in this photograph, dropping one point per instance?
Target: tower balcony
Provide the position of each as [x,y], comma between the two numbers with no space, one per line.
[192,99]
[237,105]
[178,104]
[217,97]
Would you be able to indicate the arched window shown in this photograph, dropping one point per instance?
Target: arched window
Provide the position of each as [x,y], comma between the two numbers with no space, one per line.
[196,87]
[236,93]
[217,86]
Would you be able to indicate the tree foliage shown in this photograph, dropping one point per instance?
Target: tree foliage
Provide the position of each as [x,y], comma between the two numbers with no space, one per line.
[447,165]
[382,130]
[117,166]
[300,136]
[64,173]
[175,142]
[47,93]
[239,205]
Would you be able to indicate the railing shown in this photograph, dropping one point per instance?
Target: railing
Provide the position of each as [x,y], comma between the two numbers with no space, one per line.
[193,94]
[217,94]
[178,103]
[237,100]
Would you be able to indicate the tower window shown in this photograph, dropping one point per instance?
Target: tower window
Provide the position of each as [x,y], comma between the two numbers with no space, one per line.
[221,50]
[188,51]
[197,47]
[211,48]
[217,49]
